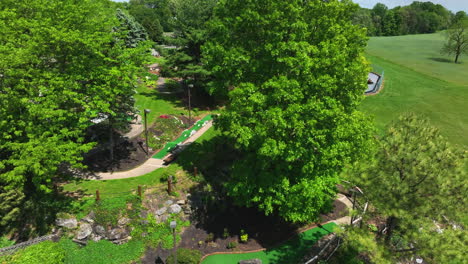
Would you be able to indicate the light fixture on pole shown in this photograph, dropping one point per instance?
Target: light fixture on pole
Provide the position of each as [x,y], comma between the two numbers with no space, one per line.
[147,111]
[190,86]
[173,226]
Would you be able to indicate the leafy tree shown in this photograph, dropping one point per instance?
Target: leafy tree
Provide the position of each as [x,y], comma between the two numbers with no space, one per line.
[147,10]
[62,64]
[363,17]
[459,17]
[457,40]
[148,18]
[296,74]
[415,179]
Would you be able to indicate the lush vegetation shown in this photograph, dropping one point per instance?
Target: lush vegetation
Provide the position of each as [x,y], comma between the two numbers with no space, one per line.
[416,18]
[299,125]
[58,72]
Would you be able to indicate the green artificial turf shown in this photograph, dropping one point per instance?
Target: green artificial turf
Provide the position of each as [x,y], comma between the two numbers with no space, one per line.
[422,54]
[408,90]
[185,135]
[292,251]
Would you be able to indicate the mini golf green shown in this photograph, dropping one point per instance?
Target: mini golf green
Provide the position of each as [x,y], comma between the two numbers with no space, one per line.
[291,251]
[186,134]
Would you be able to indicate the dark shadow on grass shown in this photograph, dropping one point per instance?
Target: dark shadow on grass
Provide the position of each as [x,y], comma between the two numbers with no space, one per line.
[441,60]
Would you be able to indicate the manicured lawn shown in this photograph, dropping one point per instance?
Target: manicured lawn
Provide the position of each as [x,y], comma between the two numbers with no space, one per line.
[292,251]
[159,104]
[421,53]
[407,90]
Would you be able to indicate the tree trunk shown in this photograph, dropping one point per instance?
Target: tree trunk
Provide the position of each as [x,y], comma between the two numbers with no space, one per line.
[456,57]
[111,141]
[391,221]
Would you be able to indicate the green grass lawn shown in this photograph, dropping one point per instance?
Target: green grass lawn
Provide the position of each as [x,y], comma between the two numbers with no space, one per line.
[292,251]
[421,53]
[416,90]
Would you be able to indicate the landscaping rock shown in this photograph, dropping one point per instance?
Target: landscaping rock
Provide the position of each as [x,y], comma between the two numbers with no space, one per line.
[168,202]
[87,219]
[163,218]
[85,231]
[181,202]
[95,237]
[161,211]
[175,209]
[123,221]
[118,234]
[100,230]
[68,223]
[250,261]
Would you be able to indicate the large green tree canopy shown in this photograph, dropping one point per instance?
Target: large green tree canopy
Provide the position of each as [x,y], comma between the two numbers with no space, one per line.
[62,63]
[296,74]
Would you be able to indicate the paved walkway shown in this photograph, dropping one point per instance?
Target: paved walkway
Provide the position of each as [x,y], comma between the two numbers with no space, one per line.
[136,128]
[151,164]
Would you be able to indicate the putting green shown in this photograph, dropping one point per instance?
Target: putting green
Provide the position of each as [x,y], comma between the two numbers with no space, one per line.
[185,135]
[291,251]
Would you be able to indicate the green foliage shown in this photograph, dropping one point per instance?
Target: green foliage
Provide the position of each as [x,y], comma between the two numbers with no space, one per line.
[149,18]
[5,242]
[44,252]
[357,246]
[185,256]
[416,18]
[134,32]
[109,210]
[154,234]
[457,39]
[244,237]
[226,233]
[295,73]
[62,64]
[102,252]
[231,245]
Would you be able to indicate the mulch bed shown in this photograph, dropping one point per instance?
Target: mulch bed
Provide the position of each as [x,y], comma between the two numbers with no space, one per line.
[263,231]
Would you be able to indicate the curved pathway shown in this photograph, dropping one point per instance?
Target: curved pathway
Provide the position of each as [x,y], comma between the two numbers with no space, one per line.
[151,164]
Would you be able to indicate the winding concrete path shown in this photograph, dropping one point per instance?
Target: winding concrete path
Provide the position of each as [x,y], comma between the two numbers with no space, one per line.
[151,164]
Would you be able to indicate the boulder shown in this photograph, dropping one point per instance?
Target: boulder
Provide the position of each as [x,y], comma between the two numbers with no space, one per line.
[118,234]
[251,261]
[70,223]
[85,231]
[181,202]
[100,230]
[175,209]
[168,202]
[161,211]
[95,237]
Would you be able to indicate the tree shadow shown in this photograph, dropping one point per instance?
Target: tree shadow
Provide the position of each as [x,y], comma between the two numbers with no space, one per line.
[441,60]
[214,212]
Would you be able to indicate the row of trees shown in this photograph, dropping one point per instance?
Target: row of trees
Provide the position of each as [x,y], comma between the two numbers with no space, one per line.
[416,18]
[63,63]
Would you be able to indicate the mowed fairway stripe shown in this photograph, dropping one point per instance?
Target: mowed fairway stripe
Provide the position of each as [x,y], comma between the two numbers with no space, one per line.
[407,90]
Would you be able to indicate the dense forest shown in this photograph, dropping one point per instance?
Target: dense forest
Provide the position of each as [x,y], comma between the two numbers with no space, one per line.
[416,18]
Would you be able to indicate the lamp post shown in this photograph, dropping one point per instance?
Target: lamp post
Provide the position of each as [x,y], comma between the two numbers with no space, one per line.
[173,226]
[190,86]
[147,111]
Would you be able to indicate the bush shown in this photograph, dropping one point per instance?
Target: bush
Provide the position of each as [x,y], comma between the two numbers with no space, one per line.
[108,211]
[185,256]
[244,236]
[231,245]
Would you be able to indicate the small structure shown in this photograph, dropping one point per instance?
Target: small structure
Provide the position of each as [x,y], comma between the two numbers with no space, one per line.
[374,82]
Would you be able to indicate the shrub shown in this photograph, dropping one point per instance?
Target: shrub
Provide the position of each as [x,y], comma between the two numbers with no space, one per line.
[185,256]
[226,233]
[372,227]
[209,238]
[244,236]
[231,245]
